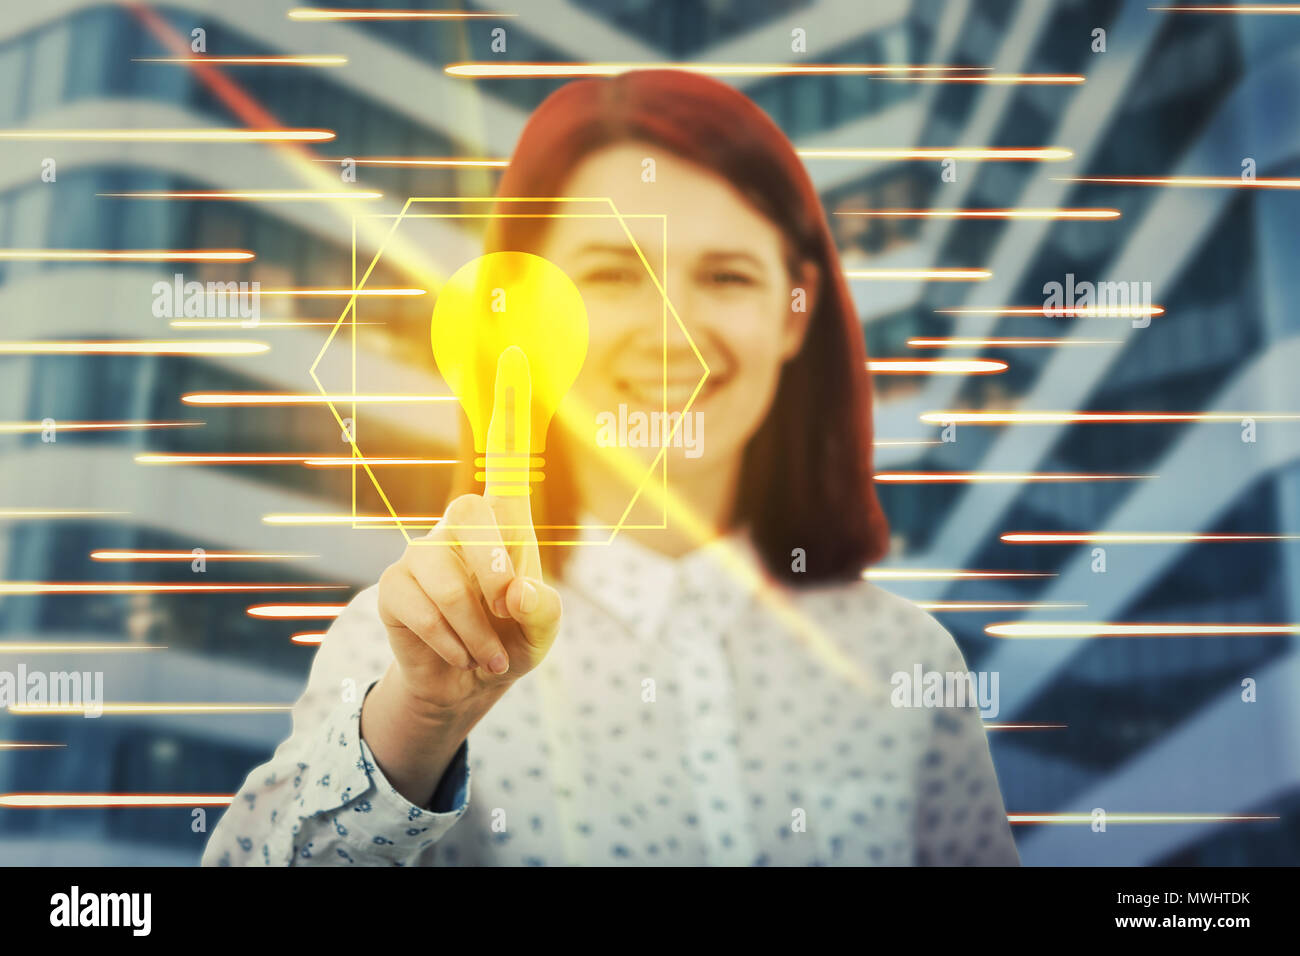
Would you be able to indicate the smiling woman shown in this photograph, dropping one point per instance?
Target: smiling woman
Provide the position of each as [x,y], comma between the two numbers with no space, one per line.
[709,685]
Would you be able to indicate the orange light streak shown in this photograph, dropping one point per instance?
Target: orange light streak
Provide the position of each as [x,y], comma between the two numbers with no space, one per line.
[250,195]
[123,555]
[1193,182]
[1063,214]
[1049,629]
[500,71]
[349,519]
[134,587]
[1002,343]
[9,428]
[937,366]
[1086,819]
[173,135]
[1072,418]
[291,398]
[150,708]
[43,647]
[950,275]
[134,255]
[296,610]
[66,801]
[308,638]
[946,574]
[1133,537]
[992,476]
[1062,311]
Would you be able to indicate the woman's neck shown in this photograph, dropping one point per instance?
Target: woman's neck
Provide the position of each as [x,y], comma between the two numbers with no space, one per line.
[700,507]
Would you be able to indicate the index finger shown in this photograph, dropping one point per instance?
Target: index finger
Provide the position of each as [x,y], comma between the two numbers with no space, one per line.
[507,466]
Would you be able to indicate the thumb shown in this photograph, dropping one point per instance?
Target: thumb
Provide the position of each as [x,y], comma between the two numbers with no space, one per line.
[536,607]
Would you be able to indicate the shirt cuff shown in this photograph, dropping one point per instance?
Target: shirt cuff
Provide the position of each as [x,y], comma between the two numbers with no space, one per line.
[363,807]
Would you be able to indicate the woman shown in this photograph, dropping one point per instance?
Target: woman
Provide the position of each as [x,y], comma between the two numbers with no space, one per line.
[709,686]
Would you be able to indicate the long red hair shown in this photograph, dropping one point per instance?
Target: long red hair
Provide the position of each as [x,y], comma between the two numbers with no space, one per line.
[806,480]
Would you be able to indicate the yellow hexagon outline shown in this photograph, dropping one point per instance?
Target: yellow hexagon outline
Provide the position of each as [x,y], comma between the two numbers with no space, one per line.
[349,309]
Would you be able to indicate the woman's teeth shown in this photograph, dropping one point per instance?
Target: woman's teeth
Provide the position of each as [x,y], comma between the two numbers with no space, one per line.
[654,393]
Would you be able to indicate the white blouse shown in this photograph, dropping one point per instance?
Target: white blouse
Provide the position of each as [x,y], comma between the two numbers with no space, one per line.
[678,719]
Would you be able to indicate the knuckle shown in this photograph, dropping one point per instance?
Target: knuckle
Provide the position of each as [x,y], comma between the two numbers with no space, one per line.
[460,509]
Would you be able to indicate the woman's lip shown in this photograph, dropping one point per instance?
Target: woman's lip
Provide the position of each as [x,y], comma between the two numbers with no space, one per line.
[654,389]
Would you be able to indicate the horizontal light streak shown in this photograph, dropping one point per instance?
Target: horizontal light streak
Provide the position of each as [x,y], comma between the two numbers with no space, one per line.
[149,708]
[966,153]
[68,801]
[140,587]
[134,255]
[1061,311]
[252,195]
[1087,819]
[346,519]
[498,71]
[1049,153]
[1133,537]
[1237,8]
[989,605]
[996,476]
[1063,214]
[894,442]
[50,647]
[314,461]
[308,638]
[296,610]
[1073,418]
[999,79]
[1203,182]
[316,13]
[947,574]
[1002,343]
[1048,629]
[298,60]
[125,555]
[292,398]
[937,366]
[133,348]
[173,135]
[15,745]
[950,275]
[8,428]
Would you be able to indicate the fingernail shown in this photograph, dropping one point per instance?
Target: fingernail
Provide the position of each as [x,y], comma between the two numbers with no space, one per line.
[528,599]
[499,606]
[499,664]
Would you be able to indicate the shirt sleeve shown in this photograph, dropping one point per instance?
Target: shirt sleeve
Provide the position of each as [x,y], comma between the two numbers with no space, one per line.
[321,799]
[961,819]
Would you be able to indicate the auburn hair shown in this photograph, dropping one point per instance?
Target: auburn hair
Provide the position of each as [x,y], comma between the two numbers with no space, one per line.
[806,478]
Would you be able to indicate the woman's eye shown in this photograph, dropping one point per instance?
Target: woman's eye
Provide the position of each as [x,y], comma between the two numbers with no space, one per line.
[728,278]
[612,276]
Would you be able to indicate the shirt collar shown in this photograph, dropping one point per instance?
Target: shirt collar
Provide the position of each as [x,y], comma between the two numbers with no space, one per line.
[639,586]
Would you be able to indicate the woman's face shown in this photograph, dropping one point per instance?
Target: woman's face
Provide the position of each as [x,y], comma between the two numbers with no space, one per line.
[726,278]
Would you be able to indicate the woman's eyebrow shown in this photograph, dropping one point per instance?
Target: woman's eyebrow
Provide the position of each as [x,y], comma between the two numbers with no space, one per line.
[606,248]
[729,255]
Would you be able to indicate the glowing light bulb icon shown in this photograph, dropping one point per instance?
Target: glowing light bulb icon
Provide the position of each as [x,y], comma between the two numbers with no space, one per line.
[513,321]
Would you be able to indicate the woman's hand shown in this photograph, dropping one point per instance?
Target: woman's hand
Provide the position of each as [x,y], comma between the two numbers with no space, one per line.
[466,608]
